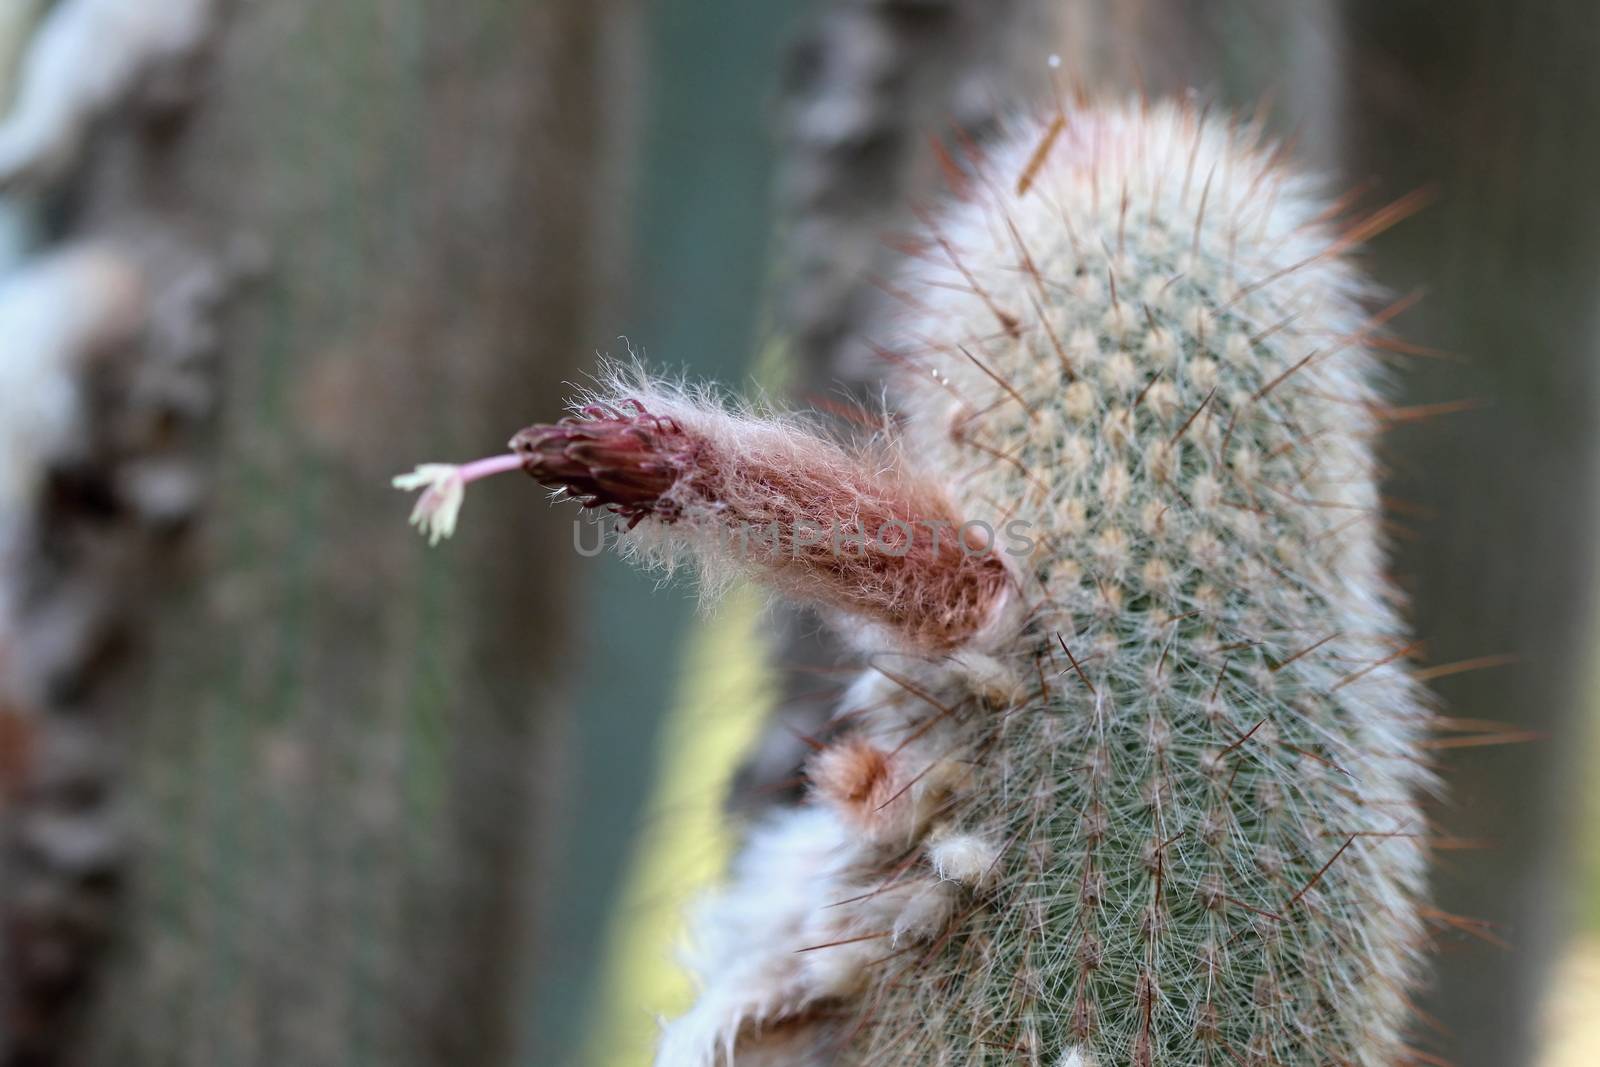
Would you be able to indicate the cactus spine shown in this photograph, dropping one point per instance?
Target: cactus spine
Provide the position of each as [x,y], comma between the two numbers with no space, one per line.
[1154,804]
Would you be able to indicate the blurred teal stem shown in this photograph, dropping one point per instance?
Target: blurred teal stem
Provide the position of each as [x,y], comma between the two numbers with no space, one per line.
[699,240]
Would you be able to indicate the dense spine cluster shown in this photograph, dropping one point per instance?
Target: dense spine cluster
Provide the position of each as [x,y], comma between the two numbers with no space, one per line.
[1156,804]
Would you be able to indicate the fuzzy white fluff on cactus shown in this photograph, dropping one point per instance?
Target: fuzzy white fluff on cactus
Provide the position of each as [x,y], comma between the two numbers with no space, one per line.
[1139,787]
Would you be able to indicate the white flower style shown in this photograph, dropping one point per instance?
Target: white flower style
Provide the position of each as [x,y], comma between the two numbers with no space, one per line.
[443,490]
[444,487]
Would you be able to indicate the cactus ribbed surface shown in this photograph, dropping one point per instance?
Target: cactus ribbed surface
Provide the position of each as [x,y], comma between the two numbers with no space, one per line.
[1205,835]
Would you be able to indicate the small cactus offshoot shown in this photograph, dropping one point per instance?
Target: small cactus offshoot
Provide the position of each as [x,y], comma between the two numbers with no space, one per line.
[1139,787]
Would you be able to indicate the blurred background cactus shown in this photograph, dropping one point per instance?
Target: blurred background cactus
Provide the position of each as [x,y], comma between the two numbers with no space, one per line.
[282,785]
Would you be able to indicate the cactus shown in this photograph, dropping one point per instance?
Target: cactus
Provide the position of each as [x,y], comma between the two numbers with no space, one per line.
[1131,776]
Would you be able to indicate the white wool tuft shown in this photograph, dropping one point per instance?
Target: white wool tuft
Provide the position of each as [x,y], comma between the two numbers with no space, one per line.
[965,858]
[747,937]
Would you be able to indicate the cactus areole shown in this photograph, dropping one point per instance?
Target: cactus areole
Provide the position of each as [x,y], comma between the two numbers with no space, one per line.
[1135,782]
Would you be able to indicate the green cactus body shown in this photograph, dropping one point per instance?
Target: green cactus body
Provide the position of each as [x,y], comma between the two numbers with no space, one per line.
[1202,796]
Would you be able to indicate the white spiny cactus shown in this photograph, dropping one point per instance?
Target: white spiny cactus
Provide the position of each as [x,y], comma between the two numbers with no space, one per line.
[1145,791]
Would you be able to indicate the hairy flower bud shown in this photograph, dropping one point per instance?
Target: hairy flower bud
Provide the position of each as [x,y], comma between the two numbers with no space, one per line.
[853,533]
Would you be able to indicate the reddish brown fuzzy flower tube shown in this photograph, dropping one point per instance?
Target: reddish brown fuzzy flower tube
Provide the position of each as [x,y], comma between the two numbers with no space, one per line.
[811,518]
